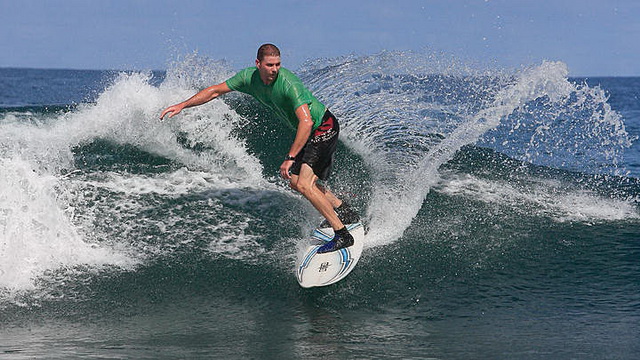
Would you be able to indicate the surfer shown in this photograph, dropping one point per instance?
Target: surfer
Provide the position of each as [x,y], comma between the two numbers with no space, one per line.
[311,154]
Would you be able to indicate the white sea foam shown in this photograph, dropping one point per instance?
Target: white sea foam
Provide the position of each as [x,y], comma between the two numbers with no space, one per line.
[37,233]
[181,181]
[46,222]
[548,198]
[406,122]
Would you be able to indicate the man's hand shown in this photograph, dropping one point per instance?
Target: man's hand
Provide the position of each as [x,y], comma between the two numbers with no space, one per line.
[174,110]
[284,169]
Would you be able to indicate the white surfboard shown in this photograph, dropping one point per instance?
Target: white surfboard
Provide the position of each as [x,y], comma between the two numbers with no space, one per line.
[315,269]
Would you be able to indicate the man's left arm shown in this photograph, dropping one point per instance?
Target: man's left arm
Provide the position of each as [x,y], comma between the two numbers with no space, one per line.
[305,124]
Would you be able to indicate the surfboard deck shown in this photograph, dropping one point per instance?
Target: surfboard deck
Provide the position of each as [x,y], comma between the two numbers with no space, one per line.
[315,269]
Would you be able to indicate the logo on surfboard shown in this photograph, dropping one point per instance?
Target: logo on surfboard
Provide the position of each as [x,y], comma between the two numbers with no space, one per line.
[324,266]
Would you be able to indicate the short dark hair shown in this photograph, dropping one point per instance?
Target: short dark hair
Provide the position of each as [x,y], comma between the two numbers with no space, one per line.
[267,50]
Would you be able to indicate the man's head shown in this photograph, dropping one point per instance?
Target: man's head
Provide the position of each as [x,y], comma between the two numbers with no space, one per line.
[268,63]
[267,50]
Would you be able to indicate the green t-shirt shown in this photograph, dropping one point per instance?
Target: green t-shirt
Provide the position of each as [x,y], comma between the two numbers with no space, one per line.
[283,96]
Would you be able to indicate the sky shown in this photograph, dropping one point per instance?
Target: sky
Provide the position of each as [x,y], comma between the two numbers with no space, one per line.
[593,37]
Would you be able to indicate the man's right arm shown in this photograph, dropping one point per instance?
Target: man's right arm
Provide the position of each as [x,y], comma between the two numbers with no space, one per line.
[204,96]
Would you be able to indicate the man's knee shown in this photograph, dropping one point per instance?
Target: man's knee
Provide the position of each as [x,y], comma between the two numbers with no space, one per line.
[301,187]
[305,182]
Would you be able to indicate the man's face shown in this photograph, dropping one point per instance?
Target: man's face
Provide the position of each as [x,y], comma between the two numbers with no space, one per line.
[268,68]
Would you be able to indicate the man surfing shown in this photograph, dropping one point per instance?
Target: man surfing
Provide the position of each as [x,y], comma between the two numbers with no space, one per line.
[310,156]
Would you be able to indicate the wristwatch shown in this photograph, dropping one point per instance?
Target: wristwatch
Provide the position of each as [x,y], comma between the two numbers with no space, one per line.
[289,157]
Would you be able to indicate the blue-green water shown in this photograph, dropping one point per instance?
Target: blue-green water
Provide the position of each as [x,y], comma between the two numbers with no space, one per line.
[502,209]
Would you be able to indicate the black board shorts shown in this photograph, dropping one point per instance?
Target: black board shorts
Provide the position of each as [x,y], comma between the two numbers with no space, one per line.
[319,149]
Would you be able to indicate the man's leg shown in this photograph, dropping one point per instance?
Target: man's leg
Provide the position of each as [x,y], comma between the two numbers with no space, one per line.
[306,184]
[345,213]
[334,200]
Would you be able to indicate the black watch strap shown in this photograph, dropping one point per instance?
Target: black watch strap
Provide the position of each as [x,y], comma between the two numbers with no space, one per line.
[289,157]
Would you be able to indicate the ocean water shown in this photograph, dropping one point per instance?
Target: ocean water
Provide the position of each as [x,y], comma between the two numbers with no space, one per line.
[501,207]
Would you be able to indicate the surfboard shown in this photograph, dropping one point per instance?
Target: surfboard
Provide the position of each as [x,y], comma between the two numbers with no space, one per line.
[315,269]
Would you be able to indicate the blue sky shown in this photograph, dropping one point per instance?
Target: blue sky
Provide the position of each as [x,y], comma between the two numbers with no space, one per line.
[593,37]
